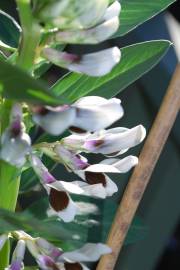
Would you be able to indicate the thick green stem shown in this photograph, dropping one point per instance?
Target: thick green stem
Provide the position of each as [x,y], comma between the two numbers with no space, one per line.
[9,183]
[9,175]
[30,35]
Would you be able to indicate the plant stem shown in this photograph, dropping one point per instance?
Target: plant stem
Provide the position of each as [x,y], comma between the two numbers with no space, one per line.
[9,183]
[30,35]
[9,175]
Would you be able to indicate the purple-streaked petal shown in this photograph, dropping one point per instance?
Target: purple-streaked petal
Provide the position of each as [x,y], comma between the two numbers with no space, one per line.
[93,64]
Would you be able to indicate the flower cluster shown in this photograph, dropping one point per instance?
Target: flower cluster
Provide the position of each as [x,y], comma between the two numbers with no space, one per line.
[89,116]
[80,22]
[48,256]
[77,22]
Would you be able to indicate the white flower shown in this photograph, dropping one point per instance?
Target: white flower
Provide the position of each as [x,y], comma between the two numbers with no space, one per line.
[74,14]
[115,141]
[87,114]
[93,35]
[15,143]
[93,64]
[102,31]
[111,142]
[60,201]
[54,120]
[95,113]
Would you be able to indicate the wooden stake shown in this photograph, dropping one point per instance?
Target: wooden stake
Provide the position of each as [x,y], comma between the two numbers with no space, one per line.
[142,173]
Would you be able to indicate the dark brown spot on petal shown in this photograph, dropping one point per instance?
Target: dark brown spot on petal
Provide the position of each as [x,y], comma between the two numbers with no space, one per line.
[77,130]
[73,266]
[40,110]
[98,143]
[95,178]
[59,200]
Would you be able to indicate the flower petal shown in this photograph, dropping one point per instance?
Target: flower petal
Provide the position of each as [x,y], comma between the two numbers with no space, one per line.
[94,35]
[88,253]
[55,121]
[93,64]
[113,144]
[95,113]
[18,256]
[62,205]
[112,11]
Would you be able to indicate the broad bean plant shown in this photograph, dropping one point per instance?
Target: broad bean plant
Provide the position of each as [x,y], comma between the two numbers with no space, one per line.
[45,124]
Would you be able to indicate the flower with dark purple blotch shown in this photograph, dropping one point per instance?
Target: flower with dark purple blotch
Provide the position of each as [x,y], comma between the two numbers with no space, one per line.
[60,201]
[112,142]
[15,142]
[87,114]
[93,64]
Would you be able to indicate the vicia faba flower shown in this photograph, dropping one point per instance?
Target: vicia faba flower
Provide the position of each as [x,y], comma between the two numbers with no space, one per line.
[93,64]
[112,142]
[15,142]
[60,201]
[50,257]
[87,114]
[18,256]
[100,32]
[72,14]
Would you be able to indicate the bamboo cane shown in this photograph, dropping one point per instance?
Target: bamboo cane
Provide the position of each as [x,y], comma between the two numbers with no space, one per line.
[142,173]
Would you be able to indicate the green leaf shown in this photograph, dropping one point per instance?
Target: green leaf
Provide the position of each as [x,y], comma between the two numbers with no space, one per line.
[18,85]
[136,12]
[136,60]
[95,224]
[9,30]
[2,56]
[49,229]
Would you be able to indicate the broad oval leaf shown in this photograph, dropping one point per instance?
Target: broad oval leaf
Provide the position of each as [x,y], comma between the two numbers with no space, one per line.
[136,12]
[9,30]
[136,60]
[18,85]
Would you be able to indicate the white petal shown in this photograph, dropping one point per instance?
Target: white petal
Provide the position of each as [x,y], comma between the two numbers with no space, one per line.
[89,36]
[96,190]
[121,165]
[15,149]
[97,64]
[81,14]
[102,168]
[96,113]
[88,253]
[19,250]
[68,213]
[115,143]
[111,187]
[67,186]
[93,64]
[55,122]
[112,11]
